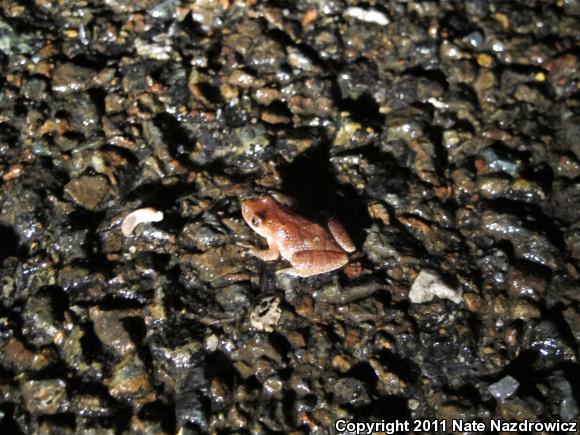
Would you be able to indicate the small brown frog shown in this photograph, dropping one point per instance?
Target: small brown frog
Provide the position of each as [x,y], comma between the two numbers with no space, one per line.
[309,247]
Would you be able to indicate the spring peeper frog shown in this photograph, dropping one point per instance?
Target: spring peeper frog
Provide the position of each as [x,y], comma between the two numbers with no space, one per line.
[309,247]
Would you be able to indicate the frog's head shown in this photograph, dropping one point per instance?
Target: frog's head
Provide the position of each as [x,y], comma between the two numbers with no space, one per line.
[255,212]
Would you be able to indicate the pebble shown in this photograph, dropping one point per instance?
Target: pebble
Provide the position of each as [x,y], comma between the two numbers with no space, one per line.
[429,284]
[69,78]
[109,328]
[504,388]
[443,135]
[130,381]
[266,315]
[351,391]
[139,216]
[88,191]
[47,397]
[371,15]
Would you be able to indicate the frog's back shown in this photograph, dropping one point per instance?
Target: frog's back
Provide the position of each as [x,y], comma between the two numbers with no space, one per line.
[295,233]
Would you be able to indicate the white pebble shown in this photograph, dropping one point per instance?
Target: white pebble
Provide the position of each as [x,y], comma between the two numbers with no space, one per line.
[429,284]
[504,388]
[266,315]
[140,216]
[367,15]
[211,342]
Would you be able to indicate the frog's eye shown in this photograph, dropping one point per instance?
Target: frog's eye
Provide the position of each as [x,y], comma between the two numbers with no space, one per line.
[256,220]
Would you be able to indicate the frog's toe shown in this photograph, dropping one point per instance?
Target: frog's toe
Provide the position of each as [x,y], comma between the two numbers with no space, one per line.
[289,271]
[341,236]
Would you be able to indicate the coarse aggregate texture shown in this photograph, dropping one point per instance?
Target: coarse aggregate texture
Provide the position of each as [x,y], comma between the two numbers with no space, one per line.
[444,135]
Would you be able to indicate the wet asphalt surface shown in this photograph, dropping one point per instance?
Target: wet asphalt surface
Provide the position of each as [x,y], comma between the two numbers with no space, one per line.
[444,135]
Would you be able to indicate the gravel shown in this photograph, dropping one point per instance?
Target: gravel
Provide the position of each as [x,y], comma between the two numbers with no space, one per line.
[443,136]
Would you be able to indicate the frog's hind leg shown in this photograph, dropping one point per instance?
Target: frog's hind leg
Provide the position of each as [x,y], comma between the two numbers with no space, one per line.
[309,263]
[340,235]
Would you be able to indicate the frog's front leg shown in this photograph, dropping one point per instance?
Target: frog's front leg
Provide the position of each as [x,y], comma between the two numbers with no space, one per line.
[270,254]
[340,235]
[308,263]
